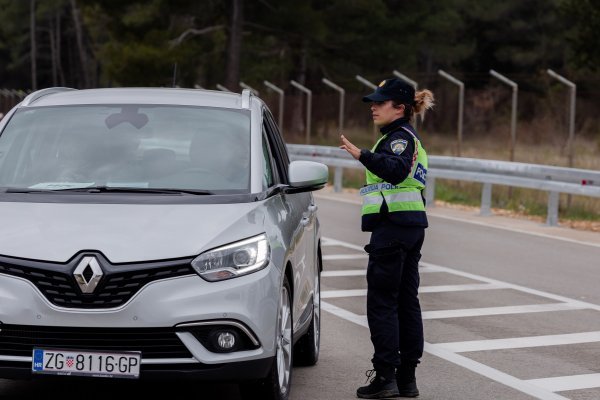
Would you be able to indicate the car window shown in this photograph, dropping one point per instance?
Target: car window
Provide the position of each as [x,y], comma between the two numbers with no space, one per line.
[277,147]
[143,146]
[267,166]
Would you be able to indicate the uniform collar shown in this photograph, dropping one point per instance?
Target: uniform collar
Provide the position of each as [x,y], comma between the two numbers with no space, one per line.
[393,126]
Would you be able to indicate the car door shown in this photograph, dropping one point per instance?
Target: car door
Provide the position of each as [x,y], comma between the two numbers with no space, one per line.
[302,212]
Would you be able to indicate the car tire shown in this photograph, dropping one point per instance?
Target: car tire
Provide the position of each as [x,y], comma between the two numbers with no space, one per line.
[276,386]
[306,351]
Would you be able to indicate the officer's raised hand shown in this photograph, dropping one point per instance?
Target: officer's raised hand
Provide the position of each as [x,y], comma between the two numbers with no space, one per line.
[349,147]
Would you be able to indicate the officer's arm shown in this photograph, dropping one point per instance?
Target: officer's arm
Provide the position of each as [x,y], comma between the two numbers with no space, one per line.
[388,166]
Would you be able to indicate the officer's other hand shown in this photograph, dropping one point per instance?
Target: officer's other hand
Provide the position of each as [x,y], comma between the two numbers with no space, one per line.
[349,147]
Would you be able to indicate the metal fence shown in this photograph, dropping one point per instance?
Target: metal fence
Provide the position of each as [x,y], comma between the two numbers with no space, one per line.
[553,180]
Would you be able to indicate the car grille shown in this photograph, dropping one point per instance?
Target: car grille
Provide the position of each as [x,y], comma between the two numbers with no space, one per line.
[18,340]
[119,283]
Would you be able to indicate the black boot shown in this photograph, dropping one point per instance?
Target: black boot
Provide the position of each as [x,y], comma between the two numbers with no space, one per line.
[407,382]
[382,386]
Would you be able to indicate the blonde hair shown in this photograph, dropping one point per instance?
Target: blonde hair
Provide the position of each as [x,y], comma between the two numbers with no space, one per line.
[423,101]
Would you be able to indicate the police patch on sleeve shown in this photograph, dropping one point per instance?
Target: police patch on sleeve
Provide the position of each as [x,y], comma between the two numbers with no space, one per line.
[398,146]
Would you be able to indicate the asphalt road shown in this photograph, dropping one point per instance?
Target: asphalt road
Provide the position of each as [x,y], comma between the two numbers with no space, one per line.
[510,312]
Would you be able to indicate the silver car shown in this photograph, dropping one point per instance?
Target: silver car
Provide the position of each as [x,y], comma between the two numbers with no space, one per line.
[156,232]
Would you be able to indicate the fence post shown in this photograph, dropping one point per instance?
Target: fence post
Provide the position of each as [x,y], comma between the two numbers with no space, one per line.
[308,93]
[370,85]
[414,84]
[552,219]
[573,88]
[342,93]
[461,101]
[430,192]
[337,179]
[281,94]
[250,88]
[486,200]
[513,116]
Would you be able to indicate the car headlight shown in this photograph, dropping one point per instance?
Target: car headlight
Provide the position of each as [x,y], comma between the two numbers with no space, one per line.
[233,260]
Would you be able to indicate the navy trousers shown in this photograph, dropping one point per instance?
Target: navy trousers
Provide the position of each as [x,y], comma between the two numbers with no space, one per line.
[393,309]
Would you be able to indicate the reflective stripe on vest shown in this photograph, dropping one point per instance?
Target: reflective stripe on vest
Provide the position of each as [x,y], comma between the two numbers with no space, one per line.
[403,197]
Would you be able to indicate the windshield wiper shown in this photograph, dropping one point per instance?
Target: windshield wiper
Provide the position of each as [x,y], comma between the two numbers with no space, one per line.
[112,189]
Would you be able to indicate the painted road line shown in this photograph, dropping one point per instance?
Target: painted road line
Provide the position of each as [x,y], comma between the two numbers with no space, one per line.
[346,272]
[345,314]
[581,304]
[335,294]
[334,257]
[563,383]
[328,294]
[459,288]
[477,367]
[479,312]
[438,268]
[327,241]
[363,271]
[521,342]
[492,373]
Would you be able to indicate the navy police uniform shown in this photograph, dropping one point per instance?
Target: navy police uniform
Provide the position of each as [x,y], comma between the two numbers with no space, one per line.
[398,231]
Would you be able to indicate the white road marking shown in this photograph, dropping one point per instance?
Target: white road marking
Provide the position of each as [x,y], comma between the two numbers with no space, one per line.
[327,241]
[334,294]
[334,257]
[439,268]
[581,304]
[345,314]
[459,288]
[562,383]
[521,342]
[328,294]
[478,312]
[538,388]
[346,272]
[363,271]
[481,369]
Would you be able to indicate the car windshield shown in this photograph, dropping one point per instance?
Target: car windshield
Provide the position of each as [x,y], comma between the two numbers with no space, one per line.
[130,146]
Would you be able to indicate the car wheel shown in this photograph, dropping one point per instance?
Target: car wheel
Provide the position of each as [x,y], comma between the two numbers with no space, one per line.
[306,351]
[276,386]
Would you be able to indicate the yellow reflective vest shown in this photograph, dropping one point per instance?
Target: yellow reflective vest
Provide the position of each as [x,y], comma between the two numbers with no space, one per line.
[402,198]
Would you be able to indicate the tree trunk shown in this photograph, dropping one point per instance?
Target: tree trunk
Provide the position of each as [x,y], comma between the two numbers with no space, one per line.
[83,58]
[58,36]
[234,46]
[32,31]
[298,100]
[51,33]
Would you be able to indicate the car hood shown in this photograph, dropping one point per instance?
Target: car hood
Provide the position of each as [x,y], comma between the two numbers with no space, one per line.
[123,232]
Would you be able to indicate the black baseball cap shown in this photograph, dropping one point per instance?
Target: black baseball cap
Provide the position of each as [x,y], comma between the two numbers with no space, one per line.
[393,89]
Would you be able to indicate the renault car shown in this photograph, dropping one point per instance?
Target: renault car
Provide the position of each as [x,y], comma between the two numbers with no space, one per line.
[156,233]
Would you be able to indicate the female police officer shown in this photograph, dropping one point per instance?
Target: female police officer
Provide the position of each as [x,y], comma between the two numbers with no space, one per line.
[394,211]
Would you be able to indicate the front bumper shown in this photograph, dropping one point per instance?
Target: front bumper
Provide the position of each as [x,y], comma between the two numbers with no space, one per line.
[250,301]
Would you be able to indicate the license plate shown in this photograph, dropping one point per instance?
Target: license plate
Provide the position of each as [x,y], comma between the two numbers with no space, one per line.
[86,363]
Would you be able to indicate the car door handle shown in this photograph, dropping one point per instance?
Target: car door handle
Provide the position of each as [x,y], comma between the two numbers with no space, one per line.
[313,208]
[305,221]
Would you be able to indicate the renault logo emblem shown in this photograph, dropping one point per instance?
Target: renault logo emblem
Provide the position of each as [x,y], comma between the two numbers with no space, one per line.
[88,274]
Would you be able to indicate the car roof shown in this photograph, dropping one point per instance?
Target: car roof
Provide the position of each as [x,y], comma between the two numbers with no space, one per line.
[167,96]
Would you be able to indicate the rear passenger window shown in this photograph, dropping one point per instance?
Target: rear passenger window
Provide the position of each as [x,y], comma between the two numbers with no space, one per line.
[267,166]
[278,149]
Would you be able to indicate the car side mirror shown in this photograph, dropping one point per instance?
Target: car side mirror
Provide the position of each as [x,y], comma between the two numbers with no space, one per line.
[306,176]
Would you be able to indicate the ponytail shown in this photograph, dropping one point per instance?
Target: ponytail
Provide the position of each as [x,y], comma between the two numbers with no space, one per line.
[423,102]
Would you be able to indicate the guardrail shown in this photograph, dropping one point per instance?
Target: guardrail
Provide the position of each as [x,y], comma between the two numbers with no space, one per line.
[554,180]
